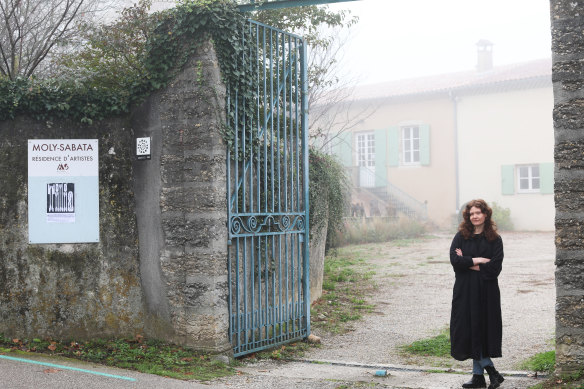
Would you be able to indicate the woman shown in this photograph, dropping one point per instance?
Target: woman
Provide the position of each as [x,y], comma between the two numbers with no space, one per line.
[476,255]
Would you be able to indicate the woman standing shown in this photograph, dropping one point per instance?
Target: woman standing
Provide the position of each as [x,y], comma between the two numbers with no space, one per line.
[476,329]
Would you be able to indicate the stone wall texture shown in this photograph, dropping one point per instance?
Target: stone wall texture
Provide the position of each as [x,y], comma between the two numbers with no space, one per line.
[69,290]
[567,21]
[160,266]
[317,249]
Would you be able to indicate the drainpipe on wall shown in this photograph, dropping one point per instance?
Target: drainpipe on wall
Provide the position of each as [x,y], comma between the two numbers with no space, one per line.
[455,100]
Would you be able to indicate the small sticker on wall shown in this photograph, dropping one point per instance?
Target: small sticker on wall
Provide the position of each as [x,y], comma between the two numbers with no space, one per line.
[61,203]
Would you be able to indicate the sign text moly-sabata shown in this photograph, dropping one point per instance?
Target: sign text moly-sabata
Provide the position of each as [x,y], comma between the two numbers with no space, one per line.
[62,147]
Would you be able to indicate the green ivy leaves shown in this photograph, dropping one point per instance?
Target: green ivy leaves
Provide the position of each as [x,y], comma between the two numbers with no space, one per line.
[176,35]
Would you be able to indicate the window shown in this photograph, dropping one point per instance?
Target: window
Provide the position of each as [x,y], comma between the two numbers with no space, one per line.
[535,178]
[411,145]
[366,150]
[528,178]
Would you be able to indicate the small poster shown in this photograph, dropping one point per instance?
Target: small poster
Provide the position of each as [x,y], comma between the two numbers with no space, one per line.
[61,203]
[63,191]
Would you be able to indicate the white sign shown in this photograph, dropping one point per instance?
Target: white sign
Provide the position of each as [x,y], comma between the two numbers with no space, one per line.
[63,190]
[59,157]
[143,148]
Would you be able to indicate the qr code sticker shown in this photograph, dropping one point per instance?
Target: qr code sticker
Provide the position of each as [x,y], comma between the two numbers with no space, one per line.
[143,146]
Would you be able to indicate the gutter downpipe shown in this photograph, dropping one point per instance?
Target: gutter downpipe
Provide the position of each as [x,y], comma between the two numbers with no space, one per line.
[455,100]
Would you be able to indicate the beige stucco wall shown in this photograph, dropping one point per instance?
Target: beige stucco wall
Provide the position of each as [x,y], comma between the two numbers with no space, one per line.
[434,183]
[516,128]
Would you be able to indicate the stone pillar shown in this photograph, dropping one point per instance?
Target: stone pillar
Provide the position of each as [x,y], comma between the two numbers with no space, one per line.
[568,80]
[181,207]
[318,234]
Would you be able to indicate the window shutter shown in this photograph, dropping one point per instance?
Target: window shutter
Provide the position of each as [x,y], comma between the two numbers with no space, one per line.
[343,148]
[424,144]
[393,146]
[546,176]
[508,179]
[380,157]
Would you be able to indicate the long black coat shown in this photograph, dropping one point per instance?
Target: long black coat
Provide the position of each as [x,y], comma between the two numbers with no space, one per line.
[475,322]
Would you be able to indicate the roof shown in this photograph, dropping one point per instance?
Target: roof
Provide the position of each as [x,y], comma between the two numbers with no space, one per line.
[537,73]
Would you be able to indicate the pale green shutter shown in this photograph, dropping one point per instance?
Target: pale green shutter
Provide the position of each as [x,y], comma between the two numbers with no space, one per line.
[508,179]
[546,178]
[343,148]
[380,157]
[393,146]
[424,144]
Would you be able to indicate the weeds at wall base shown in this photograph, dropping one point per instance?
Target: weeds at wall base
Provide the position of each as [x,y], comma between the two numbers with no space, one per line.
[144,355]
[572,381]
[542,362]
[346,288]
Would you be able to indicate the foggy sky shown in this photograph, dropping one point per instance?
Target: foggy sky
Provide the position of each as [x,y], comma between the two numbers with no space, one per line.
[398,39]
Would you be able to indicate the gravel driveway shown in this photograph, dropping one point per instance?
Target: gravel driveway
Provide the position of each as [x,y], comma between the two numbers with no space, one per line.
[413,302]
[415,292]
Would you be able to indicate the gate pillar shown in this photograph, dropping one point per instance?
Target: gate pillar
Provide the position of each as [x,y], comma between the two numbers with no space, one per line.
[181,209]
[568,54]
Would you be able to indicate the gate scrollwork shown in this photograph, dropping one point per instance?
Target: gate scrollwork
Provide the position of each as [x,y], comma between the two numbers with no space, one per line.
[268,223]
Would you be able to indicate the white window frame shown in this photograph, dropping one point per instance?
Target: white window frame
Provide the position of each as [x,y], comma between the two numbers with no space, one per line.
[366,148]
[533,180]
[408,143]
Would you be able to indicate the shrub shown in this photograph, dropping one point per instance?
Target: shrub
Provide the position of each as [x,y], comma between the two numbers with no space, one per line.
[329,193]
[502,216]
[379,229]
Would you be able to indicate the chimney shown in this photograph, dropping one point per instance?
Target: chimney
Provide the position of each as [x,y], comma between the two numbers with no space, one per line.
[484,55]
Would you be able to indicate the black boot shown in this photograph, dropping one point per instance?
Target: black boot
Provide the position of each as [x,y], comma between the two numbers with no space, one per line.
[494,376]
[477,381]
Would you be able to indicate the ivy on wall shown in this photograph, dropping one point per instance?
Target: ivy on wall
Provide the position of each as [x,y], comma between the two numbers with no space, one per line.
[176,36]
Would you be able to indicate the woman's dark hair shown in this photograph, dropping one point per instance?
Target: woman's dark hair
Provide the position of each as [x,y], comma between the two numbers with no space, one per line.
[467,229]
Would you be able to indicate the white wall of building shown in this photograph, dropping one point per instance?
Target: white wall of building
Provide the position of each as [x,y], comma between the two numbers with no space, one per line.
[507,128]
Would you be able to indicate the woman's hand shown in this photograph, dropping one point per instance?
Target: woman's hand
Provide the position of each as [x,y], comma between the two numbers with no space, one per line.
[480,260]
[476,261]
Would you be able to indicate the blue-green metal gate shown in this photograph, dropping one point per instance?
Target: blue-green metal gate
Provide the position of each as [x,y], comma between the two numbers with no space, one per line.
[267,190]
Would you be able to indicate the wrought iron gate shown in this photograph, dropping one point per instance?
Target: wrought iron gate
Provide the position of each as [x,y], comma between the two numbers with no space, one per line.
[267,190]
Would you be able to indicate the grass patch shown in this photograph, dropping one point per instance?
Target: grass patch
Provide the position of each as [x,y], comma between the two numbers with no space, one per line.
[437,346]
[346,287]
[144,355]
[542,362]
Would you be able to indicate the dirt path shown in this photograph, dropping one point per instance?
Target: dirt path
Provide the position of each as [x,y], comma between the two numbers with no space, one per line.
[415,290]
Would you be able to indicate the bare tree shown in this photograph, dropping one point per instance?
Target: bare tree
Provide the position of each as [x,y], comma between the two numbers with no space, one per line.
[30,31]
[330,97]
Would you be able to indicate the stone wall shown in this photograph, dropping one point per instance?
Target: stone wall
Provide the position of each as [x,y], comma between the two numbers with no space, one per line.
[69,290]
[567,17]
[160,266]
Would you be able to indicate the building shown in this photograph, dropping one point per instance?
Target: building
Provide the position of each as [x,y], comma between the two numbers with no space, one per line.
[433,143]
